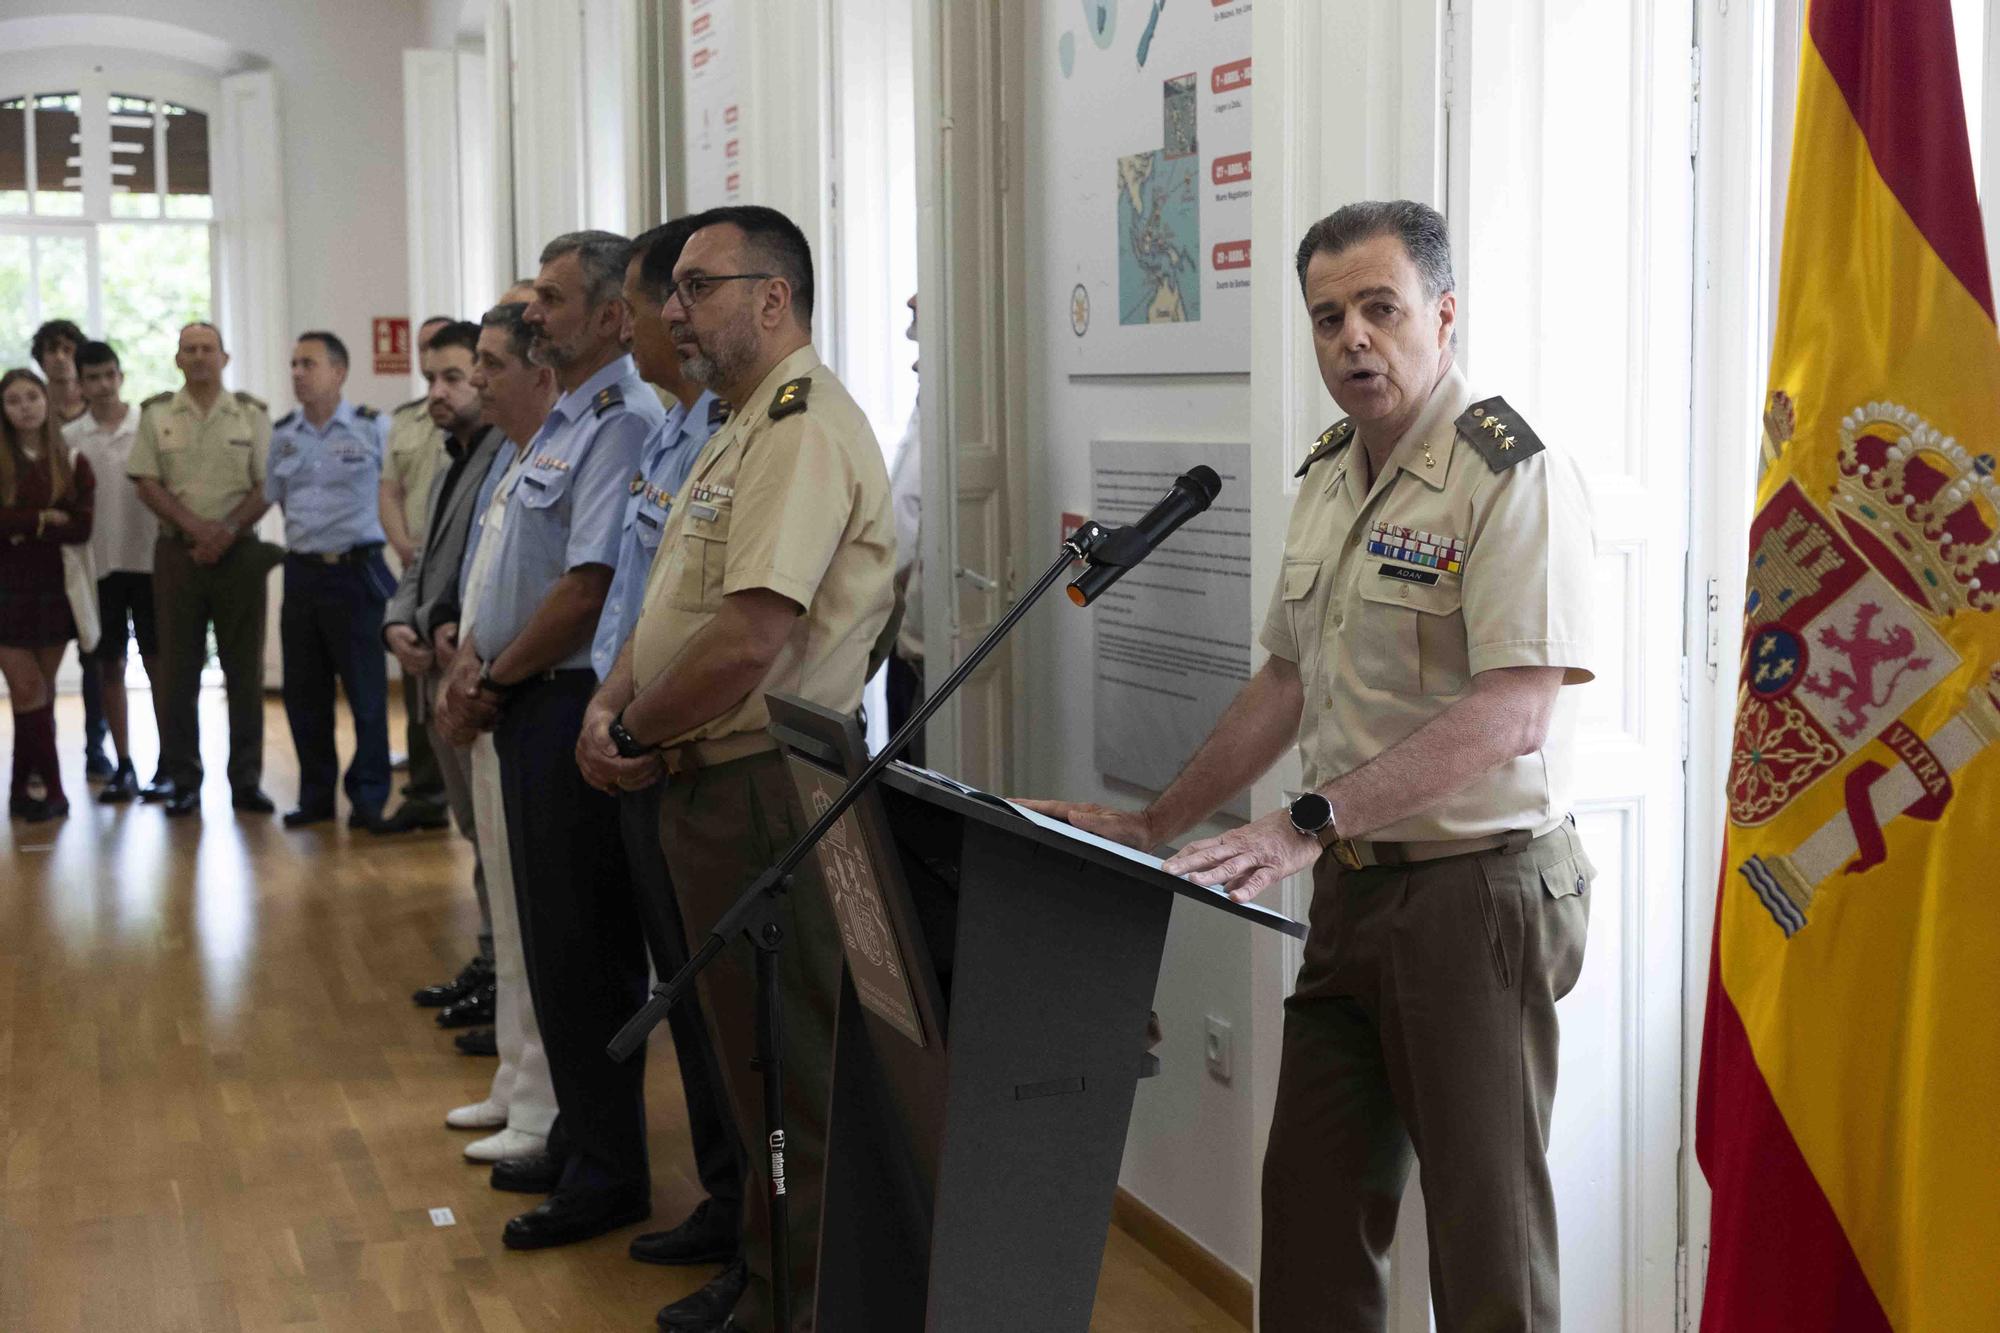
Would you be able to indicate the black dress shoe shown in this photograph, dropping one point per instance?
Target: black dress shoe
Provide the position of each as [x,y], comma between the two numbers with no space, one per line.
[371,820]
[161,788]
[708,1236]
[253,802]
[707,1310]
[184,801]
[539,1174]
[412,818]
[302,817]
[41,811]
[96,768]
[476,1041]
[123,786]
[472,975]
[476,1007]
[573,1215]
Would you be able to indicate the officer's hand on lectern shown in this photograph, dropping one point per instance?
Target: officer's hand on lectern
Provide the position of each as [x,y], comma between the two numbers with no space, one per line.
[1131,827]
[1245,861]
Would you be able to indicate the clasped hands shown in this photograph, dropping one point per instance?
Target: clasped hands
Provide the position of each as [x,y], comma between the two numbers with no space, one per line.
[1242,862]
[598,758]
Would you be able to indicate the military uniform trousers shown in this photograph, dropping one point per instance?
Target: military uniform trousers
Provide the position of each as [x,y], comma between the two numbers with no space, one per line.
[454,768]
[718,1157]
[581,936]
[720,827]
[330,627]
[188,598]
[1424,1018]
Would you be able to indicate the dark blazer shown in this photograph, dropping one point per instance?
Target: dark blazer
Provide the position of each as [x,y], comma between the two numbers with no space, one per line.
[430,584]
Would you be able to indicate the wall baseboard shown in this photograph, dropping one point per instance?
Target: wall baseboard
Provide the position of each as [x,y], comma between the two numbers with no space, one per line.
[1186,1256]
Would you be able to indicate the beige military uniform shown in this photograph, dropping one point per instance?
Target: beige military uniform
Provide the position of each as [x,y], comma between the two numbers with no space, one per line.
[208,463]
[1392,599]
[416,452]
[790,495]
[1423,1020]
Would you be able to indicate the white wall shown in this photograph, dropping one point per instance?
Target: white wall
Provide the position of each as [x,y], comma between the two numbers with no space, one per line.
[338,69]
[1190,1152]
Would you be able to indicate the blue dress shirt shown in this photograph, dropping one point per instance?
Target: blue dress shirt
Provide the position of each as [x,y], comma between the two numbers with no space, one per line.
[664,464]
[328,479]
[568,507]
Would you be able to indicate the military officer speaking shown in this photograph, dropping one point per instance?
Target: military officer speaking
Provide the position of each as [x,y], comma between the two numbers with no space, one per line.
[775,573]
[1434,601]
[199,464]
[325,474]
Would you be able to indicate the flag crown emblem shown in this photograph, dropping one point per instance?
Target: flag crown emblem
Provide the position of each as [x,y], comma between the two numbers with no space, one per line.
[1928,501]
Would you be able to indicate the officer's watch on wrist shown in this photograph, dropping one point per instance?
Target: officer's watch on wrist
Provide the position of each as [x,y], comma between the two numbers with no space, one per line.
[488,685]
[629,746]
[1312,815]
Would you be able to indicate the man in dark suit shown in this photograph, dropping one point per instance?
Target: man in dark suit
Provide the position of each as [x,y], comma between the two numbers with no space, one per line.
[427,597]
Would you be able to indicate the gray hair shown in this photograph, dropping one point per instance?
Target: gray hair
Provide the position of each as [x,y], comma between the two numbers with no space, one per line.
[603,256]
[1420,227]
[508,318]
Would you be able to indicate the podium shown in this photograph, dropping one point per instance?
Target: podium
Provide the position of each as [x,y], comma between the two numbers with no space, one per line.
[990,1038]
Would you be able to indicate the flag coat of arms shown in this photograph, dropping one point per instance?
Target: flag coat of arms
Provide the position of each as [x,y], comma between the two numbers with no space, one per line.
[1849,1110]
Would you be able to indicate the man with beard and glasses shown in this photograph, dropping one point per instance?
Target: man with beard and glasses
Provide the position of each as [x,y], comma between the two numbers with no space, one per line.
[775,572]
[427,596]
[524,668]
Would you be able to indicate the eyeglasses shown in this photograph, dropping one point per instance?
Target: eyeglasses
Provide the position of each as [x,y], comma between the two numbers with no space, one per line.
[695,289]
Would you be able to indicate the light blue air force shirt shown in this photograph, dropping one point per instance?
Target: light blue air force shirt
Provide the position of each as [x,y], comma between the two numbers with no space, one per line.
[567,509]
[664,463]
[328,479]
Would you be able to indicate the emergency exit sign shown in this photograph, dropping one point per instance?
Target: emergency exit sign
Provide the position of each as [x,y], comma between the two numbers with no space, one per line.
[392,345]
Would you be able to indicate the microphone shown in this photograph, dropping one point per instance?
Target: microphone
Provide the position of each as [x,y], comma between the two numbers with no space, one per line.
[1192,493]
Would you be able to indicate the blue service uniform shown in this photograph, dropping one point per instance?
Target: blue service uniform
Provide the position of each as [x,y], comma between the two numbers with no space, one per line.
[326,480]
[581,933]
[665,461]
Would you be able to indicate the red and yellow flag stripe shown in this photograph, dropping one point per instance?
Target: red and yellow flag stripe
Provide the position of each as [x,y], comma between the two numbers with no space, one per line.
[1851,1055]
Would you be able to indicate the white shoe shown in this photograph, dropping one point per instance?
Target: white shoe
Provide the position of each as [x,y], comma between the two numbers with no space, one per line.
[488,1114]
[506,1146]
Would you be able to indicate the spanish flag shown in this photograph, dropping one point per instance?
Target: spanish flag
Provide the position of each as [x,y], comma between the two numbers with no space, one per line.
[1849,1112]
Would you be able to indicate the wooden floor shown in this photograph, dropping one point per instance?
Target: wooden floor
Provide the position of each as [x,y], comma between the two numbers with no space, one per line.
[219,1110]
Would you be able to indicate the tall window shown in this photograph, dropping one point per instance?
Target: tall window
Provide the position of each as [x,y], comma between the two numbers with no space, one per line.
[106,218]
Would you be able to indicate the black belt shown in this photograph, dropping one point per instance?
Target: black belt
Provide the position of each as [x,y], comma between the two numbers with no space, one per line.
[353,555]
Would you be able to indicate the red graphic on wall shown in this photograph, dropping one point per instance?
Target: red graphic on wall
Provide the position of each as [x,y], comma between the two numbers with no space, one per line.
[1229,78]
[1229,254]
[1230,169]
[392,345]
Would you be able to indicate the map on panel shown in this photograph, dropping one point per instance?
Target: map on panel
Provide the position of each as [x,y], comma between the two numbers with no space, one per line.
[1152,171]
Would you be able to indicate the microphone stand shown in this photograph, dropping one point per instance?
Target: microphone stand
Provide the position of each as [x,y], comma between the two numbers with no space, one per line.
[755,916]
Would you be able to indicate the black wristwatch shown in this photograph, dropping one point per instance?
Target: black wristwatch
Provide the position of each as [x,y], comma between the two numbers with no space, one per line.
[629,746]
[1312,815]
[488,685]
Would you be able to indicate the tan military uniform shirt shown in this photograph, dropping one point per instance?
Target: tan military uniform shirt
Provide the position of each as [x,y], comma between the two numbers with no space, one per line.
[416,451]
[1391,600]
[208,463]
[798,504]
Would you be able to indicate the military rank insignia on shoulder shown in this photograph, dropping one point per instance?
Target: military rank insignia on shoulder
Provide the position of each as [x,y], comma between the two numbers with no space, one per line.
[366,413]
[718,412]
[160,399]
[286,419]
[791,398]
[252,400]
[608,397]
[1331,441]
[1497,433]
[410,406]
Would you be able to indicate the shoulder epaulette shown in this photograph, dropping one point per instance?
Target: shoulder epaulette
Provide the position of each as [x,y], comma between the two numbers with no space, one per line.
[366,413]
[1497,433]
[163,396]
[252,400]
[410,406]
[718,412]
[791,397]
[1331,441]
[608,397]
[286,419]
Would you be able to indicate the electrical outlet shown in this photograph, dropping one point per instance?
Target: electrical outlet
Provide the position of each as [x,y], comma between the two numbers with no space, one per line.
[1217,1049]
